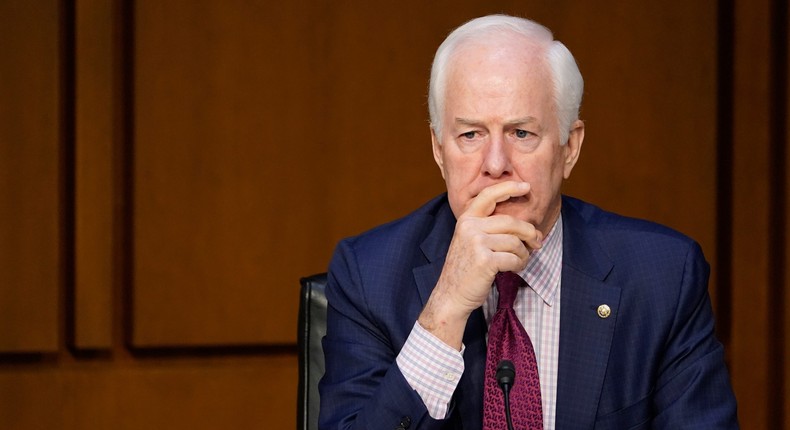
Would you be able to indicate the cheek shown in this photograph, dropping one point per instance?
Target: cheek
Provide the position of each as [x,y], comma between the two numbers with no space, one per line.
[533,171]
[456,195]
[460,171]
[459,176]
[543,174]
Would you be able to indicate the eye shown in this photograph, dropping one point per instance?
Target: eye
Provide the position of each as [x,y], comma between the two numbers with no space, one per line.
[522,134]
[469,135]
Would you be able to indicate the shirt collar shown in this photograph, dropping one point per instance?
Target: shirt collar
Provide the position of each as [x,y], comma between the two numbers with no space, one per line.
[544,268]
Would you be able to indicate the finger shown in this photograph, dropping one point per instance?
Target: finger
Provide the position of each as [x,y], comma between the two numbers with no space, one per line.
[506,224]
[507,243]
[484,203]
[509,262]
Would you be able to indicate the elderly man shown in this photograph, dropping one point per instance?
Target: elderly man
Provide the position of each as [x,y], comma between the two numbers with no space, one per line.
[607,319]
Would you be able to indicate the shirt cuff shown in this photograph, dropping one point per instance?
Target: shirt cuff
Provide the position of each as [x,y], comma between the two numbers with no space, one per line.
[432,368]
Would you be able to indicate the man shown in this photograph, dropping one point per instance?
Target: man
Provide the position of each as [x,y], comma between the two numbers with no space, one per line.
[617,309]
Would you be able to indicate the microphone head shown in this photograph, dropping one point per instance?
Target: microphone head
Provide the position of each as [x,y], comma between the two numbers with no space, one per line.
[505,373]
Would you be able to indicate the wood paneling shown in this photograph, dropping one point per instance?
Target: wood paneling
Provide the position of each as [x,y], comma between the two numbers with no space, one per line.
[213,152]
[751,214]
[96,186]
[250,158]
[30,175]
[227,177]
[181,393]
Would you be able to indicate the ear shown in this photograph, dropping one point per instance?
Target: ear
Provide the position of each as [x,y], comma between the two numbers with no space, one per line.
[573,147]
[437,152]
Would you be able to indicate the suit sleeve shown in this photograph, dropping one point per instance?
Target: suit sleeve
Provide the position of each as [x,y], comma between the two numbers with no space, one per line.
[693,389]
[363,387]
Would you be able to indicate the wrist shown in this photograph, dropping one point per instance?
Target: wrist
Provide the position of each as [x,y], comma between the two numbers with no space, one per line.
[444,320]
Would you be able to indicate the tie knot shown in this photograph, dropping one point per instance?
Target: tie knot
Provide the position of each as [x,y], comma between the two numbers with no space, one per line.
[508,283]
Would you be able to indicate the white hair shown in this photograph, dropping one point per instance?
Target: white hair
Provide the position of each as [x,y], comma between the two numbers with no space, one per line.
[567,80]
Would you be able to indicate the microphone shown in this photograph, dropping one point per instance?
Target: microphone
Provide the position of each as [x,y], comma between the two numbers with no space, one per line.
[506,377]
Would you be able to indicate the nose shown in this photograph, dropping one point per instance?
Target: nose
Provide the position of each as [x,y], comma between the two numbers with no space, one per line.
[496,161]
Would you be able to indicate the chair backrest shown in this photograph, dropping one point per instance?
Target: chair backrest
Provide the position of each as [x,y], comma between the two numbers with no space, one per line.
[312,328]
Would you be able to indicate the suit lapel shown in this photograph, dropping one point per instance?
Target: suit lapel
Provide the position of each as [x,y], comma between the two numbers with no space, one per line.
[434,248]
[585,337]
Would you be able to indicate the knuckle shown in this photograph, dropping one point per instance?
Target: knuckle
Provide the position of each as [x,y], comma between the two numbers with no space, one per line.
[486,259]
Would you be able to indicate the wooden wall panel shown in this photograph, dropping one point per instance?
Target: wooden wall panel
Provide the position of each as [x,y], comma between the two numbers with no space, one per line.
[377,66]
[266,155]
[749,348]
[96,185]
[30,175]
[180,393]
[228,176]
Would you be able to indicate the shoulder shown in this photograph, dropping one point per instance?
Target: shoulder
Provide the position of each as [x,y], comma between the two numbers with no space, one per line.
[400,244]
[372,274]
[641,253]
[618,231]
[409,229]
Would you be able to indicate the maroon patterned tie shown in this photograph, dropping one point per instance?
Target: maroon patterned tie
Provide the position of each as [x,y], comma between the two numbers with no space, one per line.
[507,340]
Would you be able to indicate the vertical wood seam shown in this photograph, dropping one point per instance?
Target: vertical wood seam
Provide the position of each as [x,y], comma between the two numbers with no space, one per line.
[778,192]
[127,169]
[724,172]
[68,166]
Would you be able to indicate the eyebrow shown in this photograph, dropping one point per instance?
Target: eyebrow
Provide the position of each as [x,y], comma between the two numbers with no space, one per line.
[517,121]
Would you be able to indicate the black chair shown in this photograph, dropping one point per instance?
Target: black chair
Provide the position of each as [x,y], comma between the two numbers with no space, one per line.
[312,328]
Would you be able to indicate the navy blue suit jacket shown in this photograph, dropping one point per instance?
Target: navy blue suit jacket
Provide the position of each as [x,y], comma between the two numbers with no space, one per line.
[654,363]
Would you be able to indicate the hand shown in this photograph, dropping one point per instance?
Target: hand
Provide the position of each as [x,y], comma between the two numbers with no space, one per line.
[483,244]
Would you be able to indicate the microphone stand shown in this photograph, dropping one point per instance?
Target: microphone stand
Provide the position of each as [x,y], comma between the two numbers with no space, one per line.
[506,376]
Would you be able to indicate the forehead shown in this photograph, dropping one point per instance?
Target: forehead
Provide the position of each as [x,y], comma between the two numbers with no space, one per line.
[506,71]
